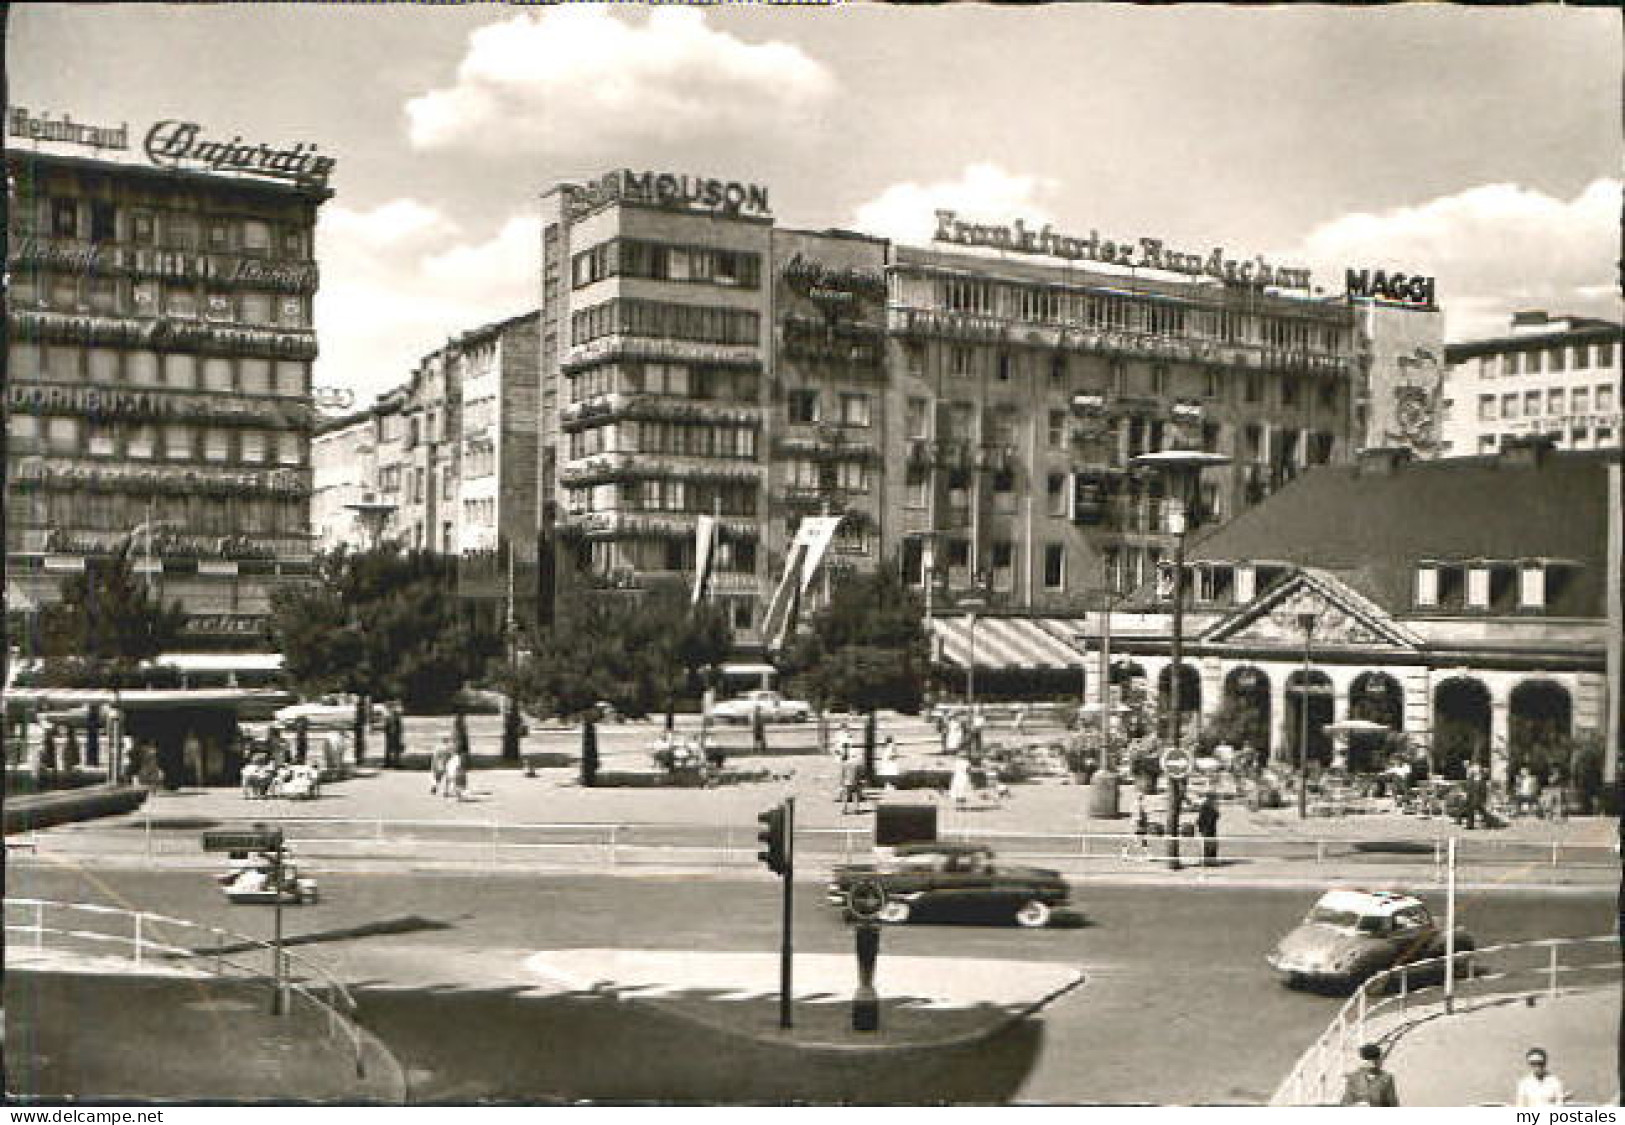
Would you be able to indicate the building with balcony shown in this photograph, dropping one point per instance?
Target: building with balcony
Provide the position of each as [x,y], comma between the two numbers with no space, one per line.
[972,416]
[1558,376]
[160,350]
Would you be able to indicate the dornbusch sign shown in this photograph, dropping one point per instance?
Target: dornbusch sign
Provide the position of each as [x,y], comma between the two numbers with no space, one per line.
[1400,288]
[180,144]
[1141,253]
[700,193]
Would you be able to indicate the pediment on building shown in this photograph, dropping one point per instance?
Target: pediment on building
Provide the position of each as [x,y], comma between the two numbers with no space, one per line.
[1343,618]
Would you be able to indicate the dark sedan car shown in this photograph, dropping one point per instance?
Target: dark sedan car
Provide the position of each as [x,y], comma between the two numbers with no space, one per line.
[1349,936]
[955,881]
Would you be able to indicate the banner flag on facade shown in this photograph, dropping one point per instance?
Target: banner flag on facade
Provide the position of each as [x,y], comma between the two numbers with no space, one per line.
[812,539]
[705,554]
[775,621]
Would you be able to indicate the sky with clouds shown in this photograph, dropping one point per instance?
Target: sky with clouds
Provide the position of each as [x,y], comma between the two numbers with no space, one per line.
[1478,145]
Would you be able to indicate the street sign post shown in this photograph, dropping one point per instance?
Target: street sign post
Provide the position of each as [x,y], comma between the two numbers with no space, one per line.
[270,842]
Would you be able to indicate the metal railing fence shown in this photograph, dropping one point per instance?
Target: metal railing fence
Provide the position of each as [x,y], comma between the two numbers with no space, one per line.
[145,941]
[1385,1006]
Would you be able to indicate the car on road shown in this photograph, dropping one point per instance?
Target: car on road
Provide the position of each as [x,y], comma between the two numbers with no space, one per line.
[1349,936]
[772,706]
[945,881]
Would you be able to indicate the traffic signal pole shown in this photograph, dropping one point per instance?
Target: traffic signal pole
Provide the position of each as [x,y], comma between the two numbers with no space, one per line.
[786,949]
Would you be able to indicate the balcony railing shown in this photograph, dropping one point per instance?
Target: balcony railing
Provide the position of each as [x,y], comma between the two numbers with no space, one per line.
[601,467]
[656,408]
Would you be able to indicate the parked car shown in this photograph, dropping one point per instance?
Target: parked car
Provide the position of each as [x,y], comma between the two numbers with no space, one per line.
[1349,936]
[331,712]
[774,708]
[940,881]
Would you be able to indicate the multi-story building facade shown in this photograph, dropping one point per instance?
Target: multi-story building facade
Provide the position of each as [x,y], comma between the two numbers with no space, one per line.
[1558,376]
[445,462]
[160,350]
[973,418]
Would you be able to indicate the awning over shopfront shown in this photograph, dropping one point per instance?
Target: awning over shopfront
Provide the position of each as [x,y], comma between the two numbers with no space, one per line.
[1008,642]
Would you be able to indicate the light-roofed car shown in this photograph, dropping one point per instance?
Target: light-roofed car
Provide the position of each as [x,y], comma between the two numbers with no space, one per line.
[1351,935]
[773,707]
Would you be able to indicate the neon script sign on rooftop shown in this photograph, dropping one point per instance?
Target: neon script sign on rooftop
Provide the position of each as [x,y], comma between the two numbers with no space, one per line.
[1135,253]
[181,144]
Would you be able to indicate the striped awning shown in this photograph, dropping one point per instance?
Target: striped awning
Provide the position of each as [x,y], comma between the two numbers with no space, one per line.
[1007,642]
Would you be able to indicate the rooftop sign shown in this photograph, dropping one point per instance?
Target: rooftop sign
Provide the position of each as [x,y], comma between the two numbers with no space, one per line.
[692,193]
[1137,253]
[181,144]
[1399,288]
[22,124]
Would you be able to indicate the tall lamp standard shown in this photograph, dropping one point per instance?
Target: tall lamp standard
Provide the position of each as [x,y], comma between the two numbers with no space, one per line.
[1307,622]
[1180,468]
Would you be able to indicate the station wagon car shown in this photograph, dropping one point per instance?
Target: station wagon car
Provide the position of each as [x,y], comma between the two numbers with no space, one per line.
[940,881]
[1349,936]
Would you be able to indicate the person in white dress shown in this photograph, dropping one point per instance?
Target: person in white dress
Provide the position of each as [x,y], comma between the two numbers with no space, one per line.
[959,787]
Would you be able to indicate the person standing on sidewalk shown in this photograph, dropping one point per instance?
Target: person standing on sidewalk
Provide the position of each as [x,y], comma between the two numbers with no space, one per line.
[758,730]
[1370,1084]
[1207,824]
[1540,1086]
[394,737]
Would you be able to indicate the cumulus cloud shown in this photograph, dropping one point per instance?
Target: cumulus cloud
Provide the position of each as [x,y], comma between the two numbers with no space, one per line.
[397,281]
[906,212]
[578,81]
[1495,248]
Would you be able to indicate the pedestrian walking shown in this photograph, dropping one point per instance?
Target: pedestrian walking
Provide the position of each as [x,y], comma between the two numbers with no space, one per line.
[1207,824]
[1140,846]
[888,770]
[851,784]
[456,780]
[1556,797]
[959,788]
[1021,719]
[459,735]
[394,737]
[437,764]
[1540,1086]
[1370,1084]
[758,730]
[953,737]
[1527,794]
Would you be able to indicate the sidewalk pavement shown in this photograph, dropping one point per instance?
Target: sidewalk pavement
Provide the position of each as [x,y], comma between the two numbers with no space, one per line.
[1265,845]
[1477,1057]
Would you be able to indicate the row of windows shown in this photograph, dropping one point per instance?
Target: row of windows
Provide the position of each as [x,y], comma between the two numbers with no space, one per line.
[683,380]
[848,476]
[1558,358]
[1044,305]
[706,324]
[87,510]
[666,495]
[1558,400]
[1499,585]
[177,371]
[718,440]
[675,554]
[100,220]
[111,296]
[481,512]
[1577,437]
[968,361]
[806,405]
[79,437]
[479,459]
[659,261]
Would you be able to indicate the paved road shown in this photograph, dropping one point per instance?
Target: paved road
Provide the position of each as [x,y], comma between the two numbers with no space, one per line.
[1178,1005]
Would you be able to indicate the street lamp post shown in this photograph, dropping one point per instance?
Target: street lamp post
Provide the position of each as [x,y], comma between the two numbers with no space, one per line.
[1181,467]
[1306,622]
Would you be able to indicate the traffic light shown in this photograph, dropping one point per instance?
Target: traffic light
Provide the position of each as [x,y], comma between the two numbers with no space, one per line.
[775,843]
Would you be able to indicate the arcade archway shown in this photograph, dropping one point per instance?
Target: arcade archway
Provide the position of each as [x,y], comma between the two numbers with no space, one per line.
[1375,697]
[1243,718]
[1461,725]
[1190,697]
[1539,724]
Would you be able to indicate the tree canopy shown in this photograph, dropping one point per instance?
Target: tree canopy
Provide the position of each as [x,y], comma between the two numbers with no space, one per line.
[105,624]
[867,649]
[386,623]
[635,649]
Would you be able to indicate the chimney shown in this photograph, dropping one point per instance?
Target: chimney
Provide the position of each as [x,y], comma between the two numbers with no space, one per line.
[1383,461]
[1533,450]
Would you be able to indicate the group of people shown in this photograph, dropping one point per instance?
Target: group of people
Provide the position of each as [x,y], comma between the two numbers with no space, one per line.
[448,769]
[1207,827]
[264,777]
[1373,1085]
[854,771]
